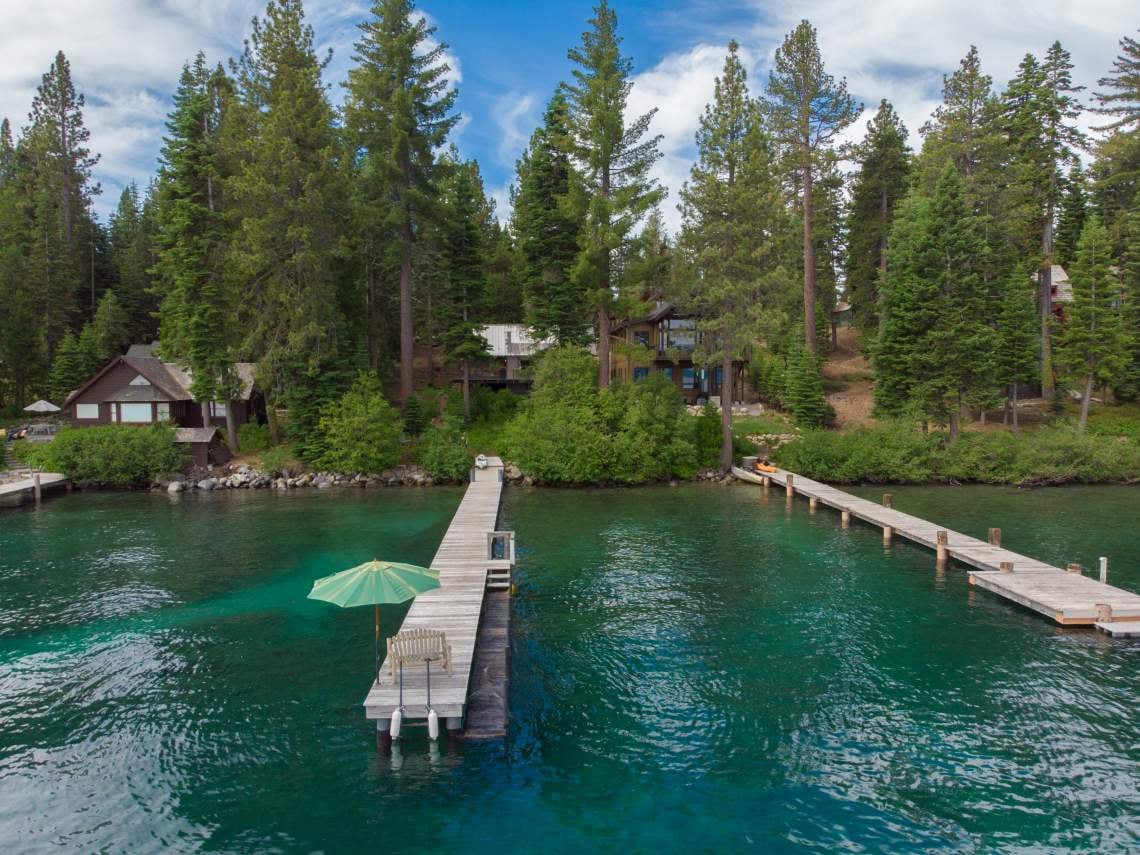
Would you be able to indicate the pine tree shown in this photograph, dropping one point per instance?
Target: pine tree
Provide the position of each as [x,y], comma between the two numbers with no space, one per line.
[1018,338]
[197,329]
[110,327]
[1094,345]
[398,111]
[288,198]
[69,369]
[935,352]
[1074,210]
[463,296]
[547,221]
[803,388]
[1123,102]
[732,222]
[504,301]
[879,184]
[131,234]
[807,110]
[614,159]
[1128,388]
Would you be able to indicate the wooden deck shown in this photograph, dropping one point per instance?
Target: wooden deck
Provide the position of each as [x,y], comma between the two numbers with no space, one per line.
[16,493]
[487,711]
[455,607]
[1067,598]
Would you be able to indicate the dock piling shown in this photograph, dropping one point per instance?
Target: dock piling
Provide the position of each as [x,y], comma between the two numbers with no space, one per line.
[942,548]
[37,492]
[789,485]
[1103,570]
[845,519]
[1072,568]
[995,537]
[888,533]
[1006,567]
[813,504]
[888,500]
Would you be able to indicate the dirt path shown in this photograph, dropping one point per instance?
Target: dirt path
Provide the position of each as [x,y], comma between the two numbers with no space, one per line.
[847,371]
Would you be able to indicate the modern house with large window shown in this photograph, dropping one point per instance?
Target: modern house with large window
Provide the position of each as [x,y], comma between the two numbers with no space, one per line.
[663,342]
[139,388]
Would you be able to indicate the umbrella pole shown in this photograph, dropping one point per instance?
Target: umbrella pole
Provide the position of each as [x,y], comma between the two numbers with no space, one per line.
[377,644]
[427,662]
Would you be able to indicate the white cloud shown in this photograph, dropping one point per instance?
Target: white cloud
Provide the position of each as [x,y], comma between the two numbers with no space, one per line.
[514,120]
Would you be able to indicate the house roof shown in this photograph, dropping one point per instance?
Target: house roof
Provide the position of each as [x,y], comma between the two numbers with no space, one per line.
[662,309]
[169,378]
[195,435]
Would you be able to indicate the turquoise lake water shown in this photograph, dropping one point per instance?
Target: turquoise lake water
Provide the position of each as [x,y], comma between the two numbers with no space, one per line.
[695,668]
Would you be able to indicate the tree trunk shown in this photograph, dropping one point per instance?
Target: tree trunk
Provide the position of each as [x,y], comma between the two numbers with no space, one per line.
[1046,299]
[1085,398]
[231,428]
[955,414]
[1016,426]
[271,422]
[467,388]
[809,264]
[603,347]
[726,414]
[407,339]
[205,414]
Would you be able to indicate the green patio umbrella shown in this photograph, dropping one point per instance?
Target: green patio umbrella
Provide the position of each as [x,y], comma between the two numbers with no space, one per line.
[373,583]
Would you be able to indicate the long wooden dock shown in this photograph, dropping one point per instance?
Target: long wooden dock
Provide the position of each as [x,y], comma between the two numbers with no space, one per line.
[16,493]
[466,570]
[1066,597]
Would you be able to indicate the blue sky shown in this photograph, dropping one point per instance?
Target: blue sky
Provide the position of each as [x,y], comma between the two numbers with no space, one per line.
[509,56]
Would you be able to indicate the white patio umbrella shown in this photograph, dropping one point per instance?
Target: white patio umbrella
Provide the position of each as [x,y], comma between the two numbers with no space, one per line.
[41,406]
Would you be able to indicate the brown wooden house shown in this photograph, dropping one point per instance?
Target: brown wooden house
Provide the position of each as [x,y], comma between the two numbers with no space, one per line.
[663,342]
[139,388]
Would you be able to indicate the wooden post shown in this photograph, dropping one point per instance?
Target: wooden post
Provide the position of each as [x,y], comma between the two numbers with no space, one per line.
[995,537]
[1006,567]
[789,486]
[1103,612]
[36,491]
[887,499]
[813,504]
[766,481]
[887,533]
[1072,568]
[1103,570]
[845,519]
[942,547]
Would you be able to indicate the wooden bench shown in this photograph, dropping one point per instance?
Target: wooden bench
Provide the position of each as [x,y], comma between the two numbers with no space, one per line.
[418,645]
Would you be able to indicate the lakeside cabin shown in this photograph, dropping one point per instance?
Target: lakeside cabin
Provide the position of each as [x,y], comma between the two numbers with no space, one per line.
[139,388]
[670,339]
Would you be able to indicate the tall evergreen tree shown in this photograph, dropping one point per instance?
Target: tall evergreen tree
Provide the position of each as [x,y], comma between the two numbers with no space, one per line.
[1018,338]
[504,303]
[398,111]
[463,296]
[547,221]
[197,328]
[881,181]
[730,239]
[936,350]
[1128,386]
[614,158]
[1120,95]
[1074,211]
[131,234]
[807,110]
[287,197]
[69,369]
[1094,345]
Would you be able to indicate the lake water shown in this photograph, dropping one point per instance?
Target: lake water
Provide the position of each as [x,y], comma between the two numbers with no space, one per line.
[695,668]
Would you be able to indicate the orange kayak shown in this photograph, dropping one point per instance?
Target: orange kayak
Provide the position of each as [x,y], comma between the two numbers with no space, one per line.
[760,467]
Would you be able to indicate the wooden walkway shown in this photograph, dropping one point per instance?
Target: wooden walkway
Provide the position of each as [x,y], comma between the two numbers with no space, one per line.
[455,607]
[1067,598]
[487,711]
[16,493]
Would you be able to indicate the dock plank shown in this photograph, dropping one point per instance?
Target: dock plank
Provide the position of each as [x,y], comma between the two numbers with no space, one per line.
[1067,598]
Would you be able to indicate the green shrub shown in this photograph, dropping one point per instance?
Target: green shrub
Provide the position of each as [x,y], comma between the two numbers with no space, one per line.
[253,437]
[443,453]
[277,459]
[803,390]
[110,455]
[361,431]
[493,406]
[570,433]
[767,375]
[415,418]
[706,437]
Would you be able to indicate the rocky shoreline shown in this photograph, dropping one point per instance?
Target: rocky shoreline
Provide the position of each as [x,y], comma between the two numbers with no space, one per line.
[247,477]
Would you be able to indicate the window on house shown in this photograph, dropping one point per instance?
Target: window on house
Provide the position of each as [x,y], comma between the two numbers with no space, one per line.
[640,373]
[136,413]
[641,337]
[163,409]
[217,410]
[140,381]
[667,370]
[688,378]
[87,411]
[719,375]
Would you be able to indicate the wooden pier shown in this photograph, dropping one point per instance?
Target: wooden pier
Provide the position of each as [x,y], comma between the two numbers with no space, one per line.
[16,493]
[468,576]
[1066,596]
